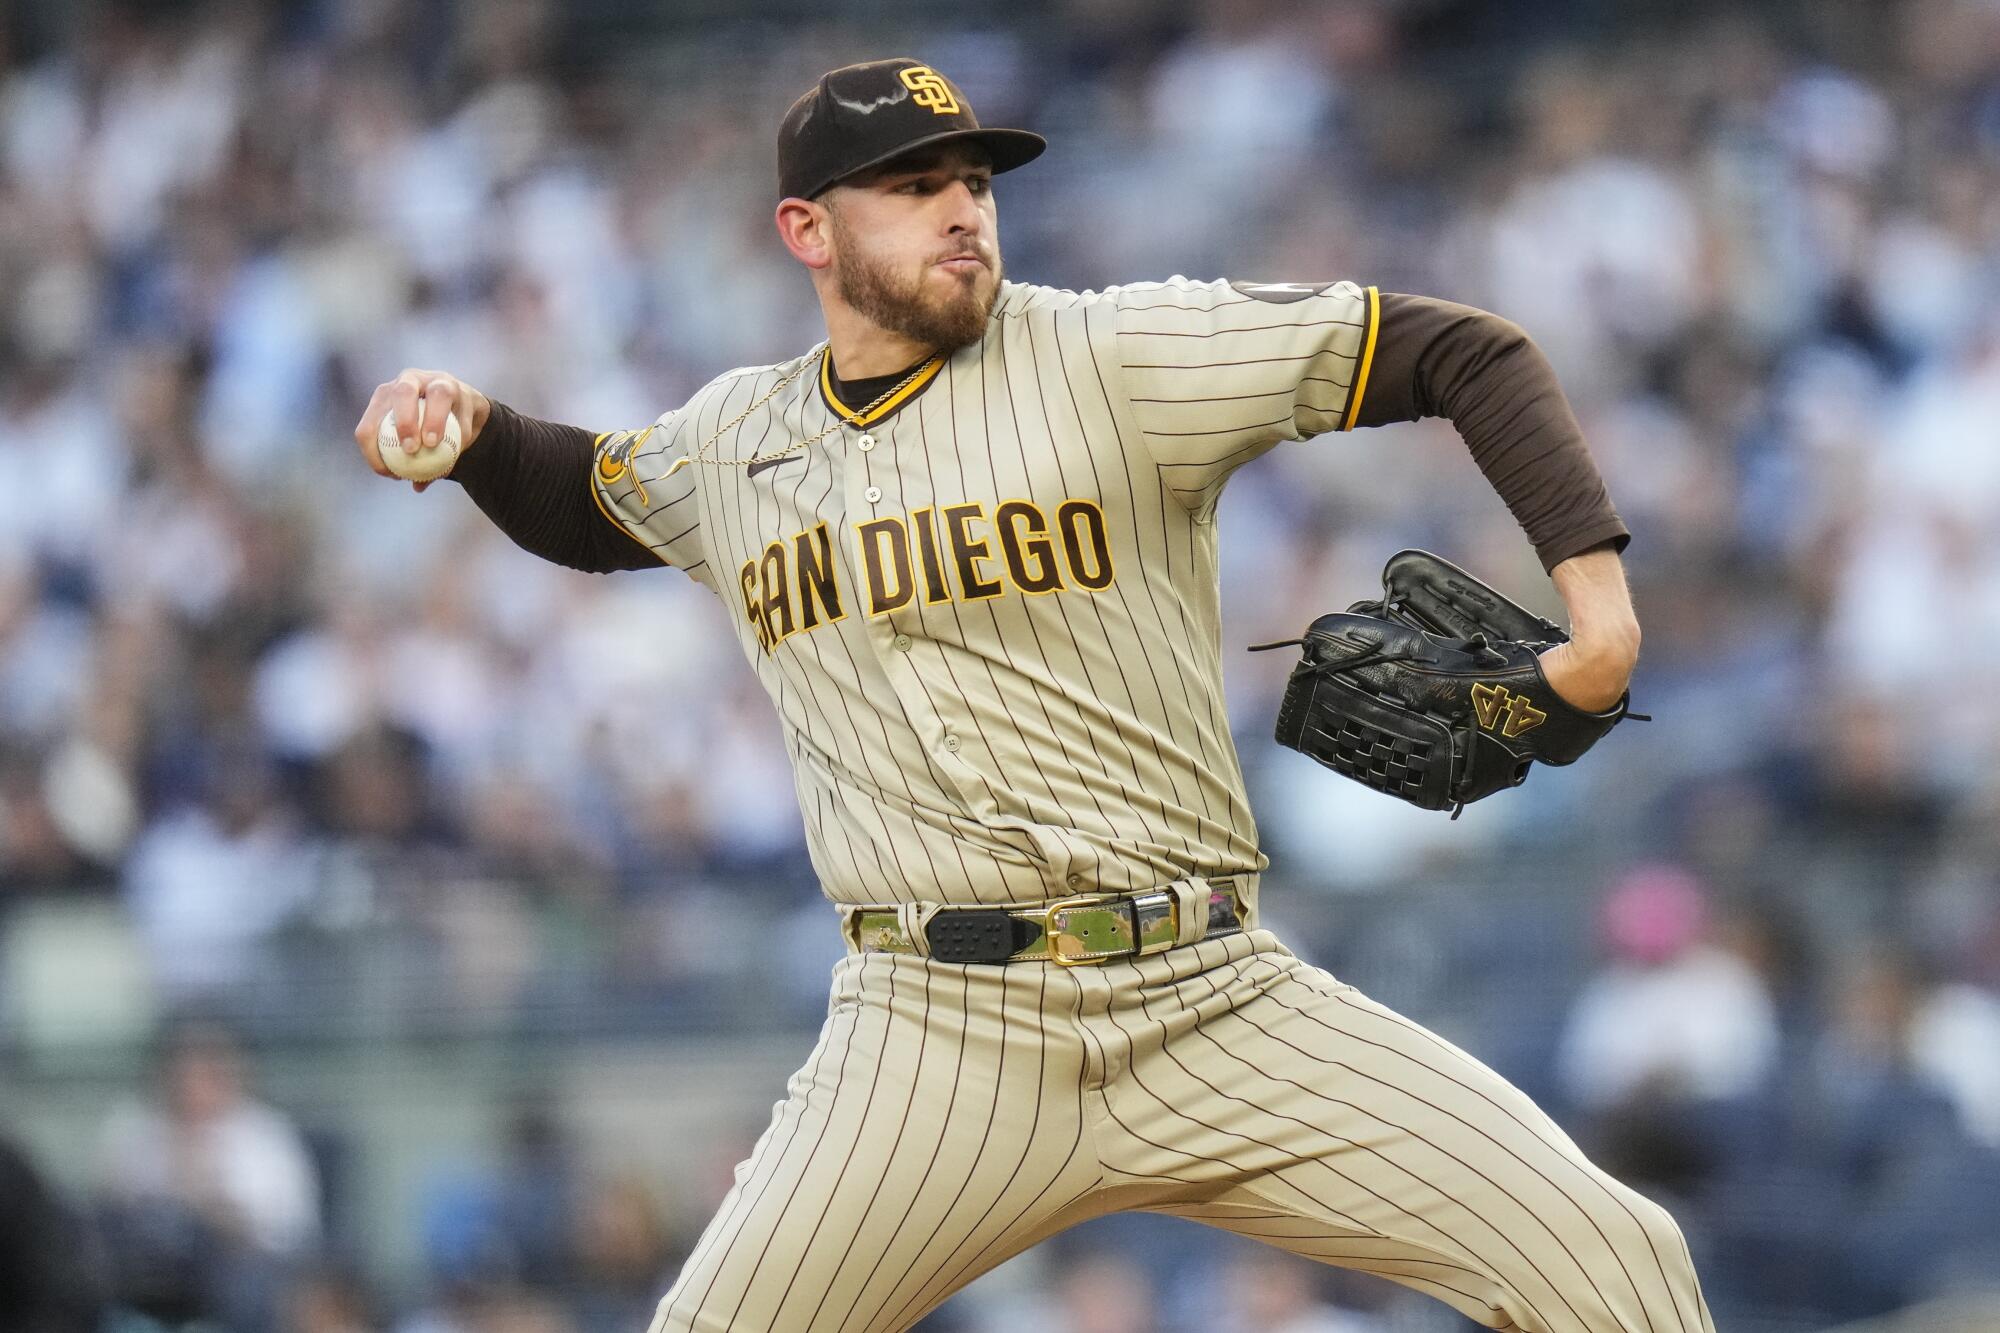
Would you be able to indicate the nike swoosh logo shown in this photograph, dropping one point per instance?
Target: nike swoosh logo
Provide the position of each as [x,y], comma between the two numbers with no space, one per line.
[763,463]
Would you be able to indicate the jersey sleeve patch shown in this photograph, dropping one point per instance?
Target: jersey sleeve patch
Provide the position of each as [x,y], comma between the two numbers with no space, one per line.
[1282,293]
[634,487]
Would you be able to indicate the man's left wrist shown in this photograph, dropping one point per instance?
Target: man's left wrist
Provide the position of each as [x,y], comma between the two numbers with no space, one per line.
[1616,641]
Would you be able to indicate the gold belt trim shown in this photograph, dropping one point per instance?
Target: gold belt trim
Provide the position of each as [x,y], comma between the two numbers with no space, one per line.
[1076,931]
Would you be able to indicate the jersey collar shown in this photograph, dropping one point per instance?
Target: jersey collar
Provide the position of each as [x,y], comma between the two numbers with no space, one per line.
[903,395]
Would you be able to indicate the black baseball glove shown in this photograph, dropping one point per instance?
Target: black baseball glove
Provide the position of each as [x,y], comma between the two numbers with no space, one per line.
[1435,693]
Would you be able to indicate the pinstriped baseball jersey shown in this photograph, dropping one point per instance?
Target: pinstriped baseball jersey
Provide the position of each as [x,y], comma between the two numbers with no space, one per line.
[987,609]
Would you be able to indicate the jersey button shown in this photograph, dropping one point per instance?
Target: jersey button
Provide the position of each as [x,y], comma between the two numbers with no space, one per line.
[1076,881]
[951,744]
[901,643]
[872,494]
[866,443]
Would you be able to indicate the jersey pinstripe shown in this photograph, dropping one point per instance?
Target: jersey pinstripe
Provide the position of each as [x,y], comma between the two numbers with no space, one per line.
[988,615]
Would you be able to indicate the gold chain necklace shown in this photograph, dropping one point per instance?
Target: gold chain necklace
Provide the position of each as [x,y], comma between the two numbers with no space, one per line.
[849,418]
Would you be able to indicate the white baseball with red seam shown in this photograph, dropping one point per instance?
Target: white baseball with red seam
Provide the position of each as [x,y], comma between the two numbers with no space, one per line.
[411,462]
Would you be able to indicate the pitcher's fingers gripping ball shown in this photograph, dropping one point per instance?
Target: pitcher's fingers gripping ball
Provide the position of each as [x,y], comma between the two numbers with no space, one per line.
[419,460]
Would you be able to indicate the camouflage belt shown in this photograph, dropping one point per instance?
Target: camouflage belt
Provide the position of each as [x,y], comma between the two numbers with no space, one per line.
[1088,928]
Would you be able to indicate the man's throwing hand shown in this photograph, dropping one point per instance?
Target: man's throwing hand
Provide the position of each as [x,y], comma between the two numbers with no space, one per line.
[421,399]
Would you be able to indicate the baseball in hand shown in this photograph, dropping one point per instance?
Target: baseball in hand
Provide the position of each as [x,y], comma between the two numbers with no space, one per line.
[412,463]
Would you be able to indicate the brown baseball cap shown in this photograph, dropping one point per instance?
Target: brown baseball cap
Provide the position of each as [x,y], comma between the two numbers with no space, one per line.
[860,116]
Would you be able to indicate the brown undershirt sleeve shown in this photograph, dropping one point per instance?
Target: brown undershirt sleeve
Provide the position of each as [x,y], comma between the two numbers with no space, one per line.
[532,478]
[1484,374]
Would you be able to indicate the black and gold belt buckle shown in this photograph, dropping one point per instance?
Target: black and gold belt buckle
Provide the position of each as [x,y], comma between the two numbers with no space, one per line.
[1090,928]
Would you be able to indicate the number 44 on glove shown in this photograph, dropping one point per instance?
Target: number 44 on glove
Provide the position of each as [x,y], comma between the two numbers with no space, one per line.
[1435,693]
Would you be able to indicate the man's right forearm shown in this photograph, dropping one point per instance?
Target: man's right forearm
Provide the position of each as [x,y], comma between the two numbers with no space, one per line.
[532,478]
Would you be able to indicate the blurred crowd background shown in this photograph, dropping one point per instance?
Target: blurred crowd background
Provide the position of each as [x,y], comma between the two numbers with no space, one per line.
[398,933]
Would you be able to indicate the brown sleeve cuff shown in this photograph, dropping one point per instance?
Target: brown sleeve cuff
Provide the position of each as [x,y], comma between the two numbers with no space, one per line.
[532,478]
[1610,533]
[1434,358]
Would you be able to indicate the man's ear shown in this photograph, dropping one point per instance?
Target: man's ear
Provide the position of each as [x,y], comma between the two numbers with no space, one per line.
[806,231]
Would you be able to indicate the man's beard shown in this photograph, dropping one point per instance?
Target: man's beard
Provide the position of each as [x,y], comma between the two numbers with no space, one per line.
[900,306]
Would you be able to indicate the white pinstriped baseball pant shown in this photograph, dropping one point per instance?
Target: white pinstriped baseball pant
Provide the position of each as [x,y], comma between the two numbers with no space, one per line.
[952,1116]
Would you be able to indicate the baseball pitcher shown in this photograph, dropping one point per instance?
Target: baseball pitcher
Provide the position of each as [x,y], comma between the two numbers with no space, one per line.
[968,543]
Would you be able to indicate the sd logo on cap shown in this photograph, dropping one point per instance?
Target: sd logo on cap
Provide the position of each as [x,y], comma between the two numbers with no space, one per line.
[860,116]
